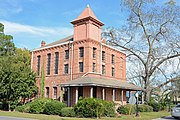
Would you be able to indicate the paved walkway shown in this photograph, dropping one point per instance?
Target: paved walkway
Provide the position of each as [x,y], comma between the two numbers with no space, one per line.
[13,118]
[166,118]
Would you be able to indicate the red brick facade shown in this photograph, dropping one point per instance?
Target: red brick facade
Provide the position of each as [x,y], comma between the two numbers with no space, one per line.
[87,35]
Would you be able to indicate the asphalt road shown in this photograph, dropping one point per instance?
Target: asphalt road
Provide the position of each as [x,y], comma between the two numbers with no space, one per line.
[12,118]
[166,118]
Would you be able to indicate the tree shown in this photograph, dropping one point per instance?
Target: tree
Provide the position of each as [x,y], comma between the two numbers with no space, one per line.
[150,39]
[17,81]
[6,45]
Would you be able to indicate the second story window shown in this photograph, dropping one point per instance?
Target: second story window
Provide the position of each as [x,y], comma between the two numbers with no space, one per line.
[66,54]
[112,59]
[66,69]
[103,69]
[38,64]
[56,63]
[81,52]
[94,67]
[94,52]
[103,55]
[48,63]
[81,67]
[112,71]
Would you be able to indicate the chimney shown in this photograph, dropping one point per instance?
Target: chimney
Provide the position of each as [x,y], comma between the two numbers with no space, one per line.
[43,43]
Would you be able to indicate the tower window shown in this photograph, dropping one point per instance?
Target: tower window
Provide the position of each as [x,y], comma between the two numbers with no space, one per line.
[103,69]
[103,55]
[66,54]
[47,92]
[94,67]
[112,57]
[66,68]
[94,52]
[81,52]
[81,66]
[112,71]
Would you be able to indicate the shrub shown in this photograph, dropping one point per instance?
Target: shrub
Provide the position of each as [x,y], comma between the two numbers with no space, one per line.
[23,108]
[91,107]
[54,107]
[67,112]
[126,109]
[109,109]
[155,106]
[144,108]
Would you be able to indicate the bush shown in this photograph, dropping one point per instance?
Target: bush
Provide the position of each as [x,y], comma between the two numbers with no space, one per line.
[144,108]
[126,109]
[54,107]
[155,106]
[67,112]
[109,109]
[91,107]
[38,105]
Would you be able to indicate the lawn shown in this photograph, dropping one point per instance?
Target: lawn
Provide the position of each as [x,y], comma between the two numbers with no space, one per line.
[143,116]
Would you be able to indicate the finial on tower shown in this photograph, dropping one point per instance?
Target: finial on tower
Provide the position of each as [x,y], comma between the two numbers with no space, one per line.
[87,5]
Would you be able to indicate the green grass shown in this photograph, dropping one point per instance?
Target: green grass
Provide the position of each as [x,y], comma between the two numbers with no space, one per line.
[143,116]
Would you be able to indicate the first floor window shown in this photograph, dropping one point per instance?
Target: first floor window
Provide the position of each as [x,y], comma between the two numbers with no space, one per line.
[47,92]
[66,68]
[55,92]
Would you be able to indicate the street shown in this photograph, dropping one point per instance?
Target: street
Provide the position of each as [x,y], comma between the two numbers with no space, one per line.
[12,118]
[166,118]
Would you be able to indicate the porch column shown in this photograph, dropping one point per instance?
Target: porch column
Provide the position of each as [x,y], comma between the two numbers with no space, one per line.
[69,92]
[113,95]
[142,97]
[103,95]
[122,96]
[76,100]
[91,92]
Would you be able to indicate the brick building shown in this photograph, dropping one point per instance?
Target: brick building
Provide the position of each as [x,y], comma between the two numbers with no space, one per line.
[82,65]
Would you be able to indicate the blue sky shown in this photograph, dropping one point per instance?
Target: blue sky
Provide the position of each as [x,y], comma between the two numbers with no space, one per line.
[31,21]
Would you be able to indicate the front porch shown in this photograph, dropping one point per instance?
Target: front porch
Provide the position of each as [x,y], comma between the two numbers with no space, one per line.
[106,89]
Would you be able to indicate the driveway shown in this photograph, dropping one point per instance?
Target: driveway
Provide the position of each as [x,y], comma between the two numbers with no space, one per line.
[166,118]
[12,118]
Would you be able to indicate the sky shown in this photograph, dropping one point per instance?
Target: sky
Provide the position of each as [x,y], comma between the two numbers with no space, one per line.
[31,21]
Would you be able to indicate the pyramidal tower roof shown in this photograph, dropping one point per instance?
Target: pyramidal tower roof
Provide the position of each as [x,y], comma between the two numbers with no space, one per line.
[87,13]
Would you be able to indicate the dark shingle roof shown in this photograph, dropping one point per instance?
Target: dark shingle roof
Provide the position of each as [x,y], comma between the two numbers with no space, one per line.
[64,40]
[101,82]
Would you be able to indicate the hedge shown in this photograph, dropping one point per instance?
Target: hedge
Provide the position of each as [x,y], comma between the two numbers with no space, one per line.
[68,112]
[54,107]
[92,107]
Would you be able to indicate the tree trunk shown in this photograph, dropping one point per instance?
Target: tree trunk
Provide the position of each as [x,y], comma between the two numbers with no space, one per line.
[9,107]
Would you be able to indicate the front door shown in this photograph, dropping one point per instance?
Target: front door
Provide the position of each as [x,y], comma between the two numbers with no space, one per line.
[80,92]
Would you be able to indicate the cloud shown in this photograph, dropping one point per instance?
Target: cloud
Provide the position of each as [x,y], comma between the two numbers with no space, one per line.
[27,36]
[17,28]
[8,7]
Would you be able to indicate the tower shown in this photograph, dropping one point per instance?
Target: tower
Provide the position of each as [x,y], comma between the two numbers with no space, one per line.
[87,26]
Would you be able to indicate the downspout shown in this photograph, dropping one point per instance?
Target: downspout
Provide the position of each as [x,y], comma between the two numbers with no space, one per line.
[72,48]
[101,56]
[31,60]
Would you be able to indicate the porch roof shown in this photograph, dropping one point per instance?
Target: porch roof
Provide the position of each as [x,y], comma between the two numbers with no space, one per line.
[101,82]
